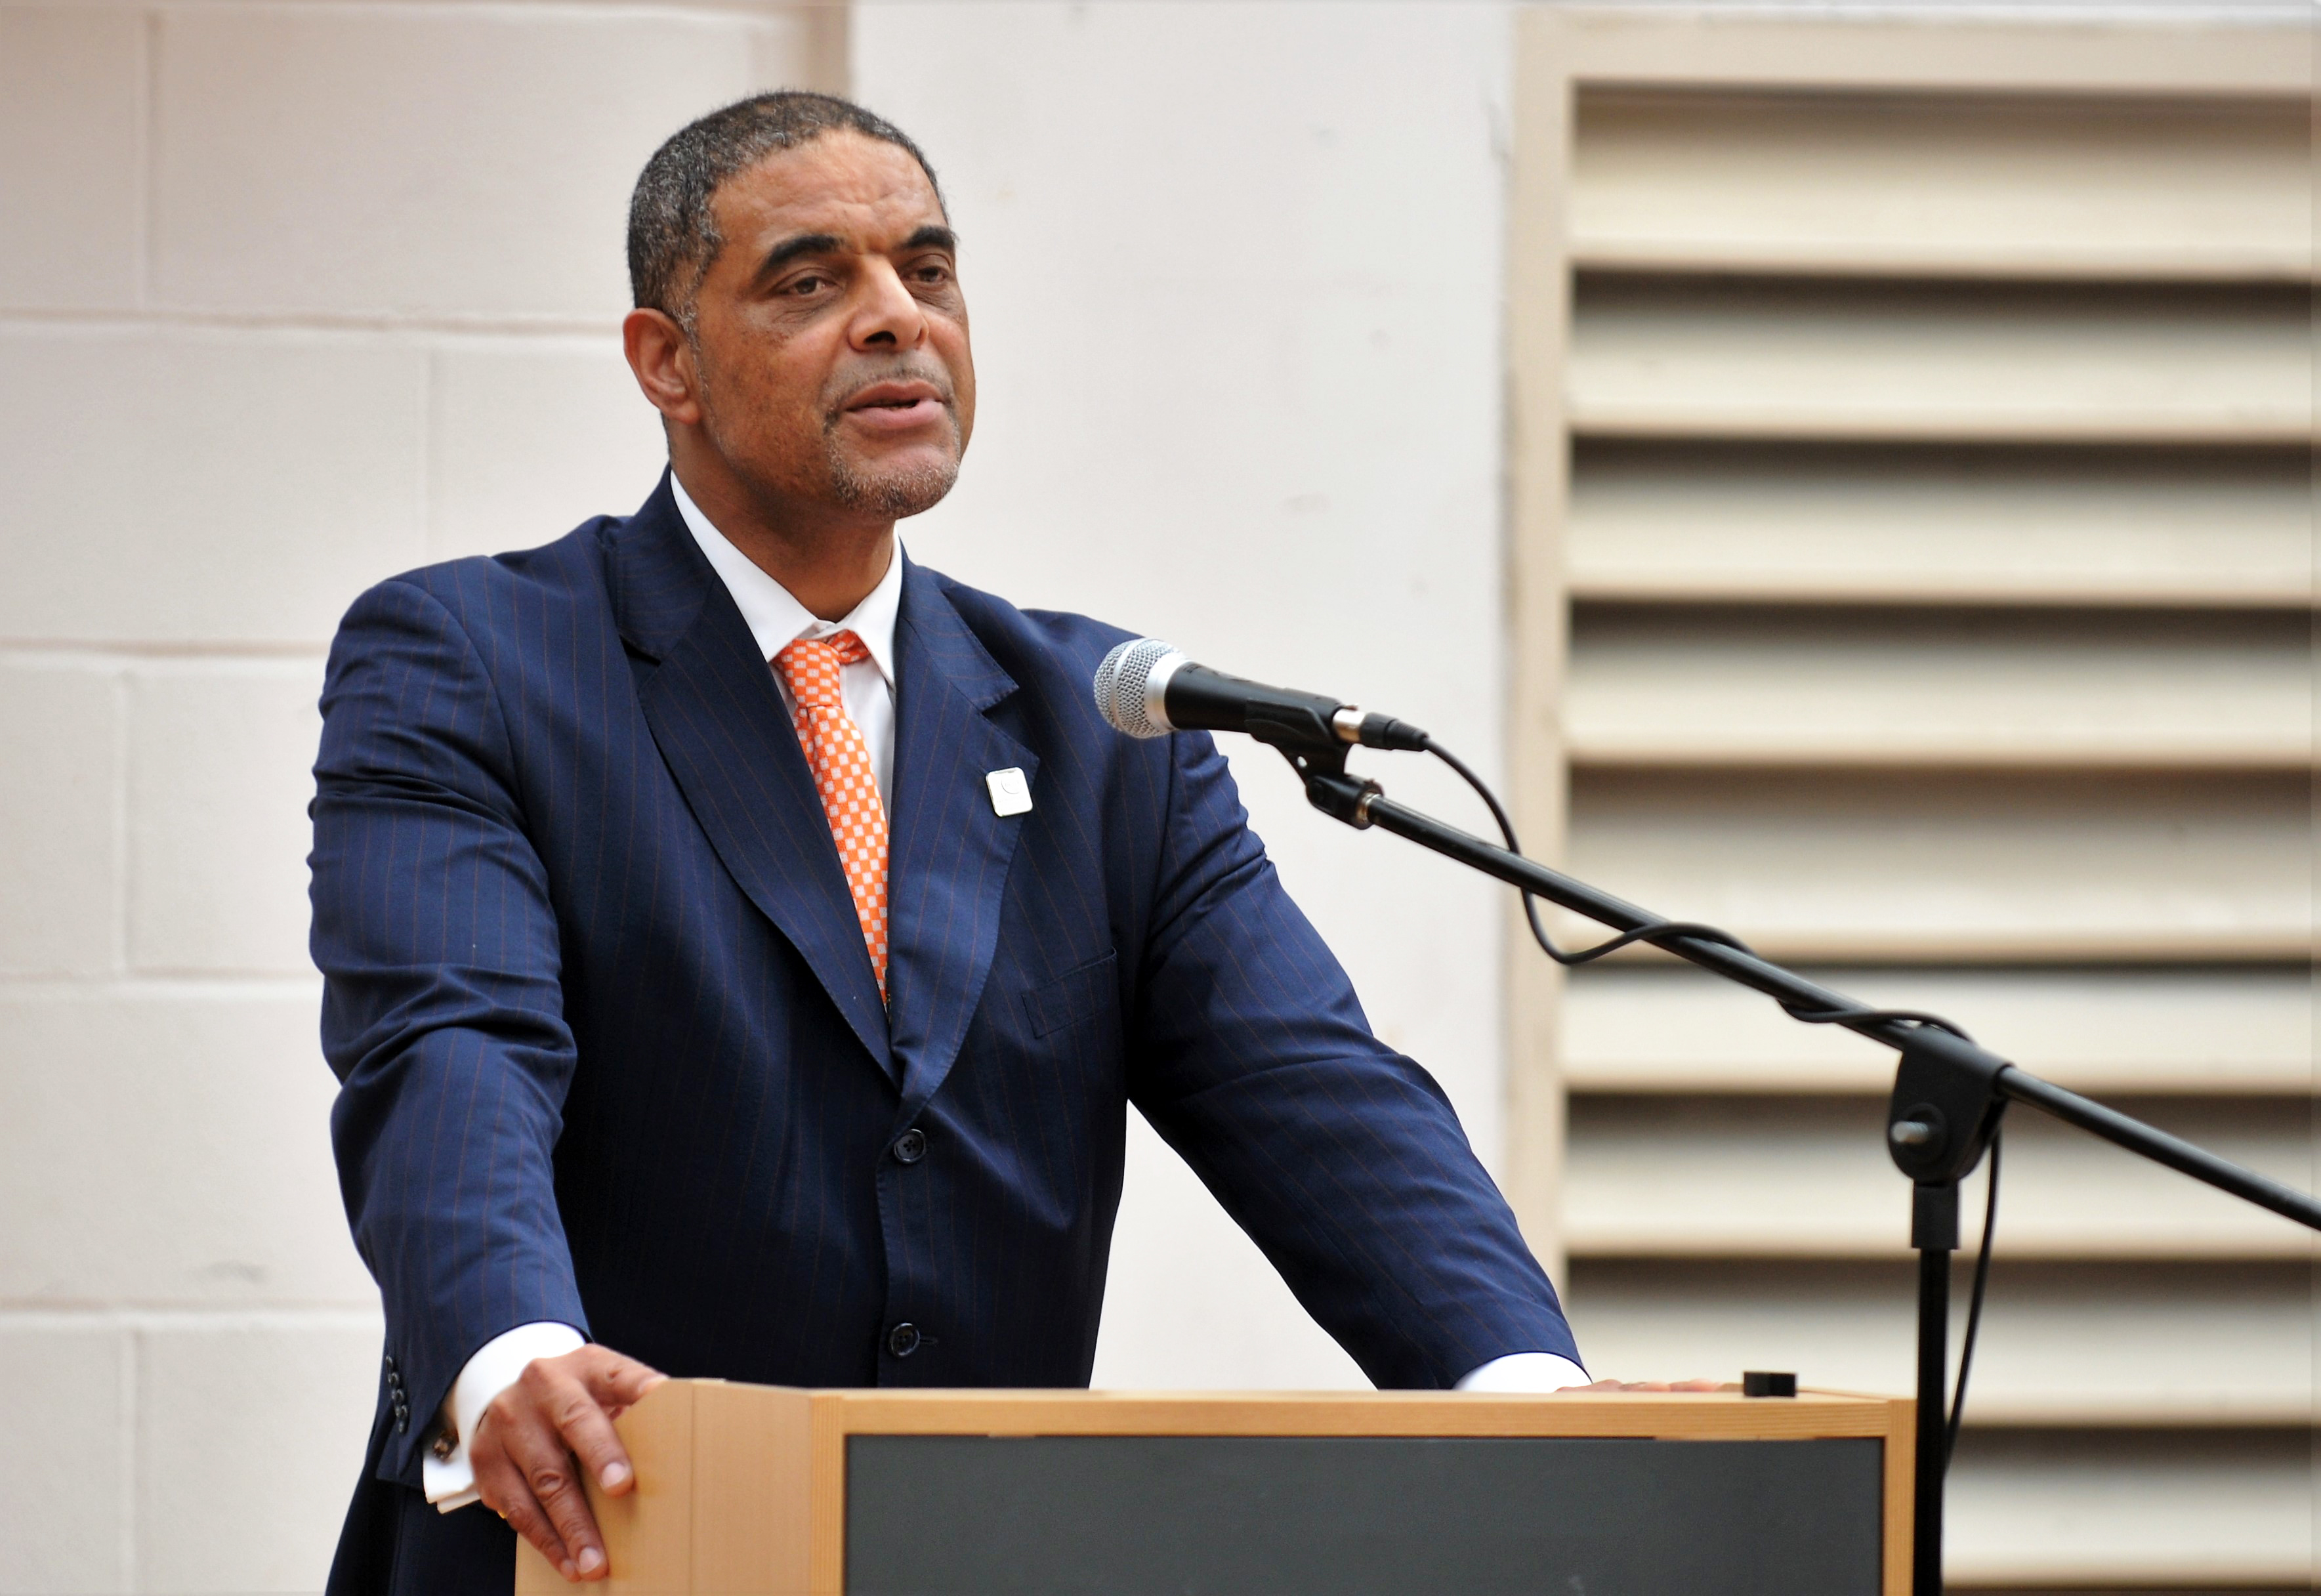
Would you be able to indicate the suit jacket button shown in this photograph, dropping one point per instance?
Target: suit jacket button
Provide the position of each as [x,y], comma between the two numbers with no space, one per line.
[903,1340]
[402,1420]
[390,1363]
[911,1145]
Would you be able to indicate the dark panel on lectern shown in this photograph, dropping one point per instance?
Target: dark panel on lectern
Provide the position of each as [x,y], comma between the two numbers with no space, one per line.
[1237,1515]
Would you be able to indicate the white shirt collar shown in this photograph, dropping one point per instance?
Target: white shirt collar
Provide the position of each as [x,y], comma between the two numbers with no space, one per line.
[776,619]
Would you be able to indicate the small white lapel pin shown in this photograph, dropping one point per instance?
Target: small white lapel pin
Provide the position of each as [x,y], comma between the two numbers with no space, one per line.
[1010,793]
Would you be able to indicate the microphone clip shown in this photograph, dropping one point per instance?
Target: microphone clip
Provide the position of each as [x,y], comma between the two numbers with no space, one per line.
[1316,744]
[1295,727]
[1328,787]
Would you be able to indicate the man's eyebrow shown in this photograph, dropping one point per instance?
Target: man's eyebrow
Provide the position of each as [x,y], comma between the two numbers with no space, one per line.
[790,249]
[932,237]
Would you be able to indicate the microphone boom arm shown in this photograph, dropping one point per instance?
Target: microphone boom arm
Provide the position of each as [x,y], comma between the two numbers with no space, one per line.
[1948,1094]
[1364,805]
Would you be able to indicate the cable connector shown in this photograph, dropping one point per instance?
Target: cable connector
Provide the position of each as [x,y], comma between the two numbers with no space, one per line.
[1383,731]
[1351,724]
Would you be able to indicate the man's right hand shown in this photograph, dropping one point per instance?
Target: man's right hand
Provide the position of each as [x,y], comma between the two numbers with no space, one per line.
[535,1439]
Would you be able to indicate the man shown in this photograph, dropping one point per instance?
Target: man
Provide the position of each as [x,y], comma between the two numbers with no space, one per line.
[743,944]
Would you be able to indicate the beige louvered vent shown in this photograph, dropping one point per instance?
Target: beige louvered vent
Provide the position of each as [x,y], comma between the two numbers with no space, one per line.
[1915,558]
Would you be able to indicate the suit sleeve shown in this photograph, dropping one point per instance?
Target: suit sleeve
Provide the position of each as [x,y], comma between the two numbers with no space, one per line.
[1341,1158]
[442,1009]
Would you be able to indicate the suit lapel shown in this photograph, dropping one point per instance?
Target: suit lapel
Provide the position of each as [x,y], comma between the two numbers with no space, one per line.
[719,722]
[949,850]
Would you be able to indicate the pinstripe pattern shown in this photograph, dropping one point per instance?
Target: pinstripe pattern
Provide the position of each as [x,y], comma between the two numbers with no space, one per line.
[612,1050]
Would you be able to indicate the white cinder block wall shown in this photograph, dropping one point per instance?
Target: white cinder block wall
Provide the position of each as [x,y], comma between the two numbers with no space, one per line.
[293,296]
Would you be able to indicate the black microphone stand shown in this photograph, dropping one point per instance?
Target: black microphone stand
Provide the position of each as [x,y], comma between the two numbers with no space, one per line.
[1948,1093]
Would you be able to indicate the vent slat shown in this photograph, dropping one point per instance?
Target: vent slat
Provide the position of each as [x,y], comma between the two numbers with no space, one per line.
[2224,1033]
[1945,867]
[1686,522]
[1681,687]
[1653,1176]
[1988,186]
[1672,358]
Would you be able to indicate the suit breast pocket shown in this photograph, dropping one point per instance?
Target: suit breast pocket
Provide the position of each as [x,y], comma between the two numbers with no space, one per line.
[1073,998]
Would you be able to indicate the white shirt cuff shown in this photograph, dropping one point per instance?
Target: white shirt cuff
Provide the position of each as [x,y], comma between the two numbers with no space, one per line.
[1525,1372]
[498,1364]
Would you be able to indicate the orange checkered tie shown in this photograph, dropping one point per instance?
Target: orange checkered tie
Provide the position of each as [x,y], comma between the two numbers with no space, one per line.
[843,774]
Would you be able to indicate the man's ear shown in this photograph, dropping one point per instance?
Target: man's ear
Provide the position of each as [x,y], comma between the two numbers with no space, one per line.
[662,356]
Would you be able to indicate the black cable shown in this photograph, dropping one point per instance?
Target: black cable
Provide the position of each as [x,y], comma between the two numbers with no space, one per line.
[1656,930]
[1531,905]
[1974,1301]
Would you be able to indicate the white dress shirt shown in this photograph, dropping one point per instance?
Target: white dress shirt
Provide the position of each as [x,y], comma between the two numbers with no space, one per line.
[777,619]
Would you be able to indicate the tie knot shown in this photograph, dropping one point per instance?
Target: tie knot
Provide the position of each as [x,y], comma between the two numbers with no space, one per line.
[810,666]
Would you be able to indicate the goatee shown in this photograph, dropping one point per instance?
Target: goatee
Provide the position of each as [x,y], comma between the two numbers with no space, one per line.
[895,492]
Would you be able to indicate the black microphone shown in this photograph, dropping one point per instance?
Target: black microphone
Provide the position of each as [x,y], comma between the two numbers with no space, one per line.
[1148,689]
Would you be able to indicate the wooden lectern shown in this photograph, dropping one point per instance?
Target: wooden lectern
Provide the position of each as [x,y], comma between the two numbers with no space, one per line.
[764,1490]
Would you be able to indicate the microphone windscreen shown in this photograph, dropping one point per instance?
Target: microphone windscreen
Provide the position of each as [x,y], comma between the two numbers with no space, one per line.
[1120,682]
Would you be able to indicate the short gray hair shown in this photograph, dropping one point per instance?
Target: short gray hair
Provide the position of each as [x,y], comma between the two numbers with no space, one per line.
[673,237]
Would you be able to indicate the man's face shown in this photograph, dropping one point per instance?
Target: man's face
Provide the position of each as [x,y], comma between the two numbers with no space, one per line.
[831,336]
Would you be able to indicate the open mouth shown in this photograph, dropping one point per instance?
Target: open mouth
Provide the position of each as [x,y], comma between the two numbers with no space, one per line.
[891,402]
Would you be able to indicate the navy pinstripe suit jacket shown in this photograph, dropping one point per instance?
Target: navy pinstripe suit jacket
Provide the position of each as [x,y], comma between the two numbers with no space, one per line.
[612,1052]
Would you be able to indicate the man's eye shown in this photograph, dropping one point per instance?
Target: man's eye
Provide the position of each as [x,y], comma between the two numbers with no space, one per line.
[806,285]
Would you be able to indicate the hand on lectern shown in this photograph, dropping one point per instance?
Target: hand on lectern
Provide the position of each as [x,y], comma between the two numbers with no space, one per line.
[532,1441]
[1656,1385]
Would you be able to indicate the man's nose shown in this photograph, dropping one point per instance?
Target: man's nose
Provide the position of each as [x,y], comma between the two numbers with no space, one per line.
[889,317]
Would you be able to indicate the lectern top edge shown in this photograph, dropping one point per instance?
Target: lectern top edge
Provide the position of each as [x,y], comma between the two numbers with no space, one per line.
[1002,1412]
